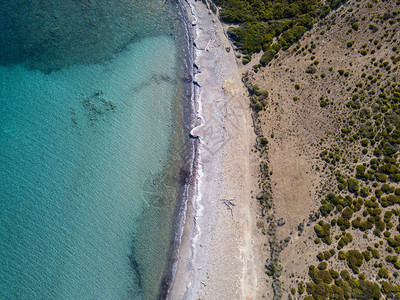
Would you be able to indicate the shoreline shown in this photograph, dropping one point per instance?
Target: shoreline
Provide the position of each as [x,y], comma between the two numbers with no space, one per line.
[220,253]
[187,174]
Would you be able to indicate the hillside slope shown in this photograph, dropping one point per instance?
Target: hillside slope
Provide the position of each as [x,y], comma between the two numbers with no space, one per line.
[328,119]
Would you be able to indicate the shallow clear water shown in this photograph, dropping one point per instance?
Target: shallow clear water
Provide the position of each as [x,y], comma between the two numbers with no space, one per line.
[88,191]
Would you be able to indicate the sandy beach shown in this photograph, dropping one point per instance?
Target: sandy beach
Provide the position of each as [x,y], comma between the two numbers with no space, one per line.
[221,251]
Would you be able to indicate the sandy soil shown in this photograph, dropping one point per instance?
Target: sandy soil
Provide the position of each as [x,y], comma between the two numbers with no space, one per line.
[222,254]
[294,123]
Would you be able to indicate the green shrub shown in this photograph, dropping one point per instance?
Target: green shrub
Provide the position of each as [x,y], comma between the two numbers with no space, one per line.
[383,273]
[292,35]
[329,254]
[343,223]
[322,266]
[389,289]
[394,242]
[323,232]
[385,188]
[391,259]
[323,103]
[354,260]
[301,288]
[360,170]
[257,107]
[368,290]
[326,209]
[378,193]
[372,27]
[375,253]
[251,37]
[381,177]
[318,291]
[341,255]
[364,192]
[320,256]
[364,143]
[267,57]
[388,216]
[347,213]
[367,255]
[334,274]
[263,141]
[352,185]
[345,275]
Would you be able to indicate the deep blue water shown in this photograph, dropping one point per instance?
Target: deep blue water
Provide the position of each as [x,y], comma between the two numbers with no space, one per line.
[91,123]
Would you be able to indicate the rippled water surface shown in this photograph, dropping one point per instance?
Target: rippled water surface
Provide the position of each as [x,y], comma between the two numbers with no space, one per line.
[91,122]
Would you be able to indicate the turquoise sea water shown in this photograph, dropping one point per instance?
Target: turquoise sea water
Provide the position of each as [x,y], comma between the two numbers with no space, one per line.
[91,123]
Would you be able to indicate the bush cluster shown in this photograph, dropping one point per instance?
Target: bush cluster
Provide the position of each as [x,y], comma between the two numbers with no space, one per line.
[323,231]
[259,21]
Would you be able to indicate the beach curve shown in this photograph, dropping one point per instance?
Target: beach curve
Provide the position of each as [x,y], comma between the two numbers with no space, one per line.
[221,250]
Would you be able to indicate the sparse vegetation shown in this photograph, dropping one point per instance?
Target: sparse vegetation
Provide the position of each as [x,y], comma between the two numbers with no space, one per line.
[352,96]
